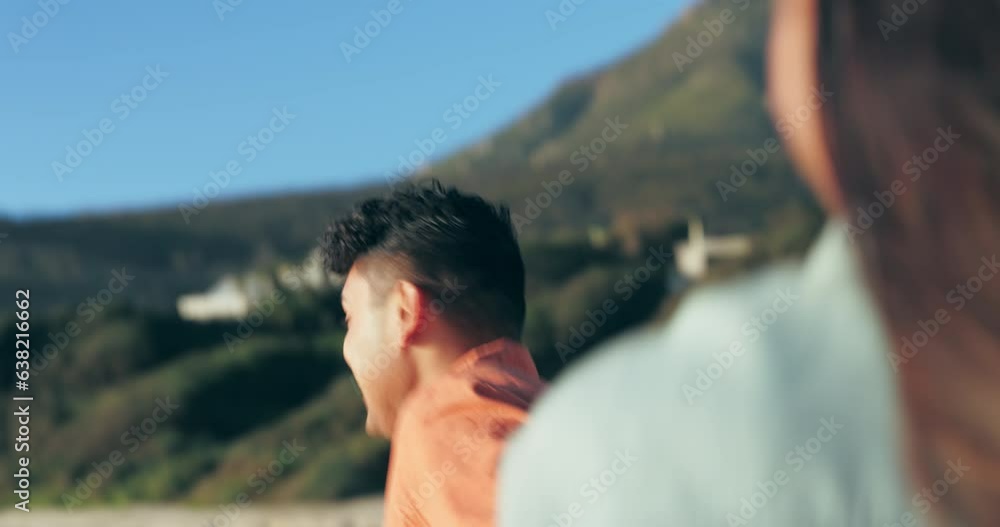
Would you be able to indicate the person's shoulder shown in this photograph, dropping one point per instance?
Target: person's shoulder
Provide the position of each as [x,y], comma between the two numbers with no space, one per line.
[464,407]
[620,382]
[714,319]
[686,419]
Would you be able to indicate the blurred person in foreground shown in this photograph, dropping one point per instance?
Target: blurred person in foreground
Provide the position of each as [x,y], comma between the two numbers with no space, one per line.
[434,305]
[861,388]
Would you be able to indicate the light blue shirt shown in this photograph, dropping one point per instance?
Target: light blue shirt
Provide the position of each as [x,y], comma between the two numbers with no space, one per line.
[768,401]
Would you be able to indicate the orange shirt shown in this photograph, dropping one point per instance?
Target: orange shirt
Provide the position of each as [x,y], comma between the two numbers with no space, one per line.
[450,434]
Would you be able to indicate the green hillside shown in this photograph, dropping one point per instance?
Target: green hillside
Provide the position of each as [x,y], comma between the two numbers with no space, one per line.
[98,436]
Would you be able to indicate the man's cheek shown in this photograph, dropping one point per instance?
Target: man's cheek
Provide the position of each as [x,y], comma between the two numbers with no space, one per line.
[347,355]
[350,347]
[350,363]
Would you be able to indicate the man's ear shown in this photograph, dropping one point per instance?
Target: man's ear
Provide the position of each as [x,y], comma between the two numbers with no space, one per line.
[410,311]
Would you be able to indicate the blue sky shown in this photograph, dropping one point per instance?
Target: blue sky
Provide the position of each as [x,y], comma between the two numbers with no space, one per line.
[226,71]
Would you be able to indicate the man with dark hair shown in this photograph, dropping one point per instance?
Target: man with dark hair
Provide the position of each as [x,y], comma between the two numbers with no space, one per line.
[434,305]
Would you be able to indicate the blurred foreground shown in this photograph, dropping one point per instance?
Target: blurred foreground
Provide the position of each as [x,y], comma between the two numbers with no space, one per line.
[360,513]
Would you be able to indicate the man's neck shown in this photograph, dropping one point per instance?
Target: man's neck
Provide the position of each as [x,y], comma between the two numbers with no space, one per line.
[436,358]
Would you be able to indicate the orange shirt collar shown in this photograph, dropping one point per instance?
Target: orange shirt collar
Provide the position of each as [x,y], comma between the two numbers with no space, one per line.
[504,350]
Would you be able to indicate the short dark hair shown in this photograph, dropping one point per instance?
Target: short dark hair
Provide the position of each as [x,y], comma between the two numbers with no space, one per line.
[438,238]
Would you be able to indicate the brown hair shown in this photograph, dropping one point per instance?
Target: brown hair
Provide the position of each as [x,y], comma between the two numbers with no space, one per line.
[915,138]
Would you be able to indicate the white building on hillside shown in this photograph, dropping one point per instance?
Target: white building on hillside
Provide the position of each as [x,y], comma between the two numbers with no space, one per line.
[695,254]
[231,298]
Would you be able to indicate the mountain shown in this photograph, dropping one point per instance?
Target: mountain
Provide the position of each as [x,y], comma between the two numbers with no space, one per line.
[683,125]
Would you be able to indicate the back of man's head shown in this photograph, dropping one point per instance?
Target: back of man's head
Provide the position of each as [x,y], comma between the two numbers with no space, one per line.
[459,248]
